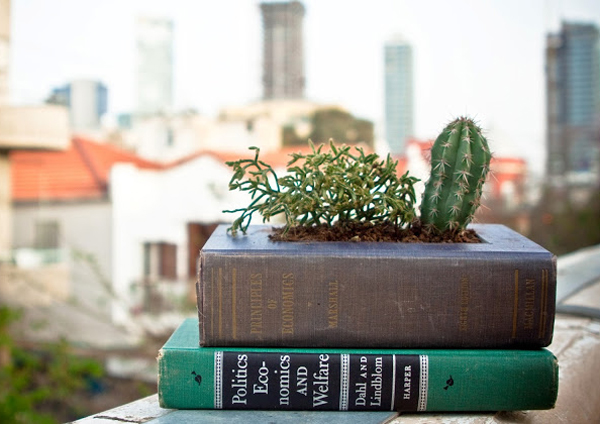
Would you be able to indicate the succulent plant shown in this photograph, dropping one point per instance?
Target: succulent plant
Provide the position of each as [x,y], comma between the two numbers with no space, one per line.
[324,187]
[460,161]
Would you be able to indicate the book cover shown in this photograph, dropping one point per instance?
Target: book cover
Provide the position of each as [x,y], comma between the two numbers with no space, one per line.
[496,294]
[194,377]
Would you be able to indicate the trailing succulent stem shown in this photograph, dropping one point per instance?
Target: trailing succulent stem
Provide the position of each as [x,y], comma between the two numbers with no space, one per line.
[324,187]
[460,161]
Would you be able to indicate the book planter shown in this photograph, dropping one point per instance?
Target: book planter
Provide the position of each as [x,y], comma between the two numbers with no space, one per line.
[255,291]
[372,325]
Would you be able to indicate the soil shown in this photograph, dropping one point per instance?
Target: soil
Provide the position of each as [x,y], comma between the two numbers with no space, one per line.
[365,231]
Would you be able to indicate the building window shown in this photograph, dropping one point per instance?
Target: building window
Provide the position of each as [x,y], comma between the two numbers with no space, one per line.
[160,260]
[170,137]
[47,234]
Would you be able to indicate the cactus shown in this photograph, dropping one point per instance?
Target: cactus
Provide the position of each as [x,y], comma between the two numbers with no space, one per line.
[460,161]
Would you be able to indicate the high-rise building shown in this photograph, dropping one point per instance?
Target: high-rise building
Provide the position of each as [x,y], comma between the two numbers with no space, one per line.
[399,108]
[573,104]
[154,65]
[283,50]
[87,101]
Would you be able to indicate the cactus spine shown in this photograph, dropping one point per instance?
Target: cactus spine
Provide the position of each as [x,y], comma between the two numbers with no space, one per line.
[460,161]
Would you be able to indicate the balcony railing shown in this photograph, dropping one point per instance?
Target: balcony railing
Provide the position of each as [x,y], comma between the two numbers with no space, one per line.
[156,295]
[34,127]
[27,258]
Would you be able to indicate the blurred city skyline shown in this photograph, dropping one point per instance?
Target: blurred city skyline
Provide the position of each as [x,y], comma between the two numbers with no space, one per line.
[484,59]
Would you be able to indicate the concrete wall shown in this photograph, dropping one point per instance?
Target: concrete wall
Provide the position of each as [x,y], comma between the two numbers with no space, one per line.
[34,127]
[85,230]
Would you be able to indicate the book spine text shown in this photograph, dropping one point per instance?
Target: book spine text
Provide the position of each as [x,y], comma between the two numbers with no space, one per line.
[325,381]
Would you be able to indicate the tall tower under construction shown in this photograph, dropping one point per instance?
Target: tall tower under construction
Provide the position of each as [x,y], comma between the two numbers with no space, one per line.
[283,50]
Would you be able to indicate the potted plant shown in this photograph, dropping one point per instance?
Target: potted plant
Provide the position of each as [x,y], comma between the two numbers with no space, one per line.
[367,285]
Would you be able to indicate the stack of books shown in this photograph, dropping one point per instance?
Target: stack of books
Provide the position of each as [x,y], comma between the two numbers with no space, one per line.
[366,326]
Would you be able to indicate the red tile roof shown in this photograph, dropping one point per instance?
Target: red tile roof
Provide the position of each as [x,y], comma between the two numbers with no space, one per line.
[80,172]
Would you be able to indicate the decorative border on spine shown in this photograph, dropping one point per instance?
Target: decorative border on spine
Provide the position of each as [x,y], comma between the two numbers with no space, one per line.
[393,401]
[344,381]
[218,380]
[423,383]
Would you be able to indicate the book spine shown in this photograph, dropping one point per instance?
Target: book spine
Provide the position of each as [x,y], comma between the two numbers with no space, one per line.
[502,301]
[207,378]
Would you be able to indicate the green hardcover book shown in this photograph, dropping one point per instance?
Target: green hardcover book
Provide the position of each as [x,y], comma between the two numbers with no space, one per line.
[498,294]
[194,377]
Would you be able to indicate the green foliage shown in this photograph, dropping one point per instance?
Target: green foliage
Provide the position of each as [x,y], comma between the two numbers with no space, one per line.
[563,226]
[325,187]
[35,381]
[460,161]
[333,124]
[289,136]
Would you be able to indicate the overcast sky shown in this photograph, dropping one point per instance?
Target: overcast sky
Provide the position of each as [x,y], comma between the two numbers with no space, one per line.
[484,58]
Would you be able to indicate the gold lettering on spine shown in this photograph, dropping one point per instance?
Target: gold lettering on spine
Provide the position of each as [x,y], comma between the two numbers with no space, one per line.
[463,314]
[333,305]
[287,303]
[516,304]
[529,311]
[256,303]
[543,303]
[220,289]
[234,303]
[212,302]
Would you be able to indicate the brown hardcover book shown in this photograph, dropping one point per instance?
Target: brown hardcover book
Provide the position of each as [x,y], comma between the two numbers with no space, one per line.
[496,294]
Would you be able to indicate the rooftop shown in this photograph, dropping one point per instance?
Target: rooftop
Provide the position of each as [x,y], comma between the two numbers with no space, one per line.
[79,172]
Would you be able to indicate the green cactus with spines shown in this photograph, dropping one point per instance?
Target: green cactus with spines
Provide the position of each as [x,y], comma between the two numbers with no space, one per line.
[460,161]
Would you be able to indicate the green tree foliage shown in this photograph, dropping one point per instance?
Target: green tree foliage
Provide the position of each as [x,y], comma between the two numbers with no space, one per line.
[562,226]
[336,124]
[33,382]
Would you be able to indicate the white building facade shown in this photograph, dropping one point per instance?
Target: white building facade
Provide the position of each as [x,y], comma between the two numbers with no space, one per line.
[125,259]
